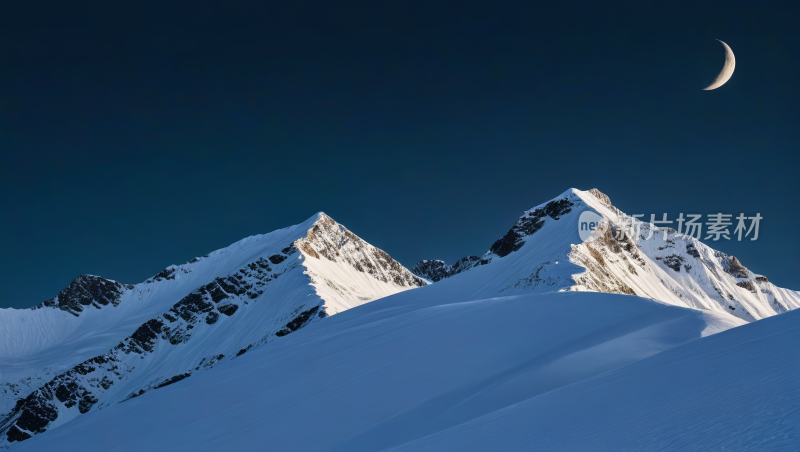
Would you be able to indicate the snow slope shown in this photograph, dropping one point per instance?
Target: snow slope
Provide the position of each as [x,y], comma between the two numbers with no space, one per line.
[392,371]
[100,342]
[737,390]
[543,252]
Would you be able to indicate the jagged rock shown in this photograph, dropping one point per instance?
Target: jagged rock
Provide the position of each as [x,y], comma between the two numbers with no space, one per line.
[529,224]
[298,322]
[84,291]
[674,262]
[601,197]
[332,241]
[747,285]
[735,268]
[692,251]
[172,380]
[436,270]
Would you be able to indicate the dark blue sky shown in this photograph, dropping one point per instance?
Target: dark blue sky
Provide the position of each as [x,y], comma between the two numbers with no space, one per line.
[134,137]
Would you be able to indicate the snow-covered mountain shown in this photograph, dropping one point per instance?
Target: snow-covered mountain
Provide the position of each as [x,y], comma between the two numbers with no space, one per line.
[99,342]
[543,252]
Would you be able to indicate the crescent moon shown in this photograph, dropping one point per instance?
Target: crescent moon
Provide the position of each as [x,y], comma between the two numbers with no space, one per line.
[727,70]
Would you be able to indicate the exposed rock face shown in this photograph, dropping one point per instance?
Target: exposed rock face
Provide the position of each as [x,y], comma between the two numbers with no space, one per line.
[602,197]
[747,285]
[432,270]
[597,258]
[436,270]
[465,263]
[275,294]
[680,270]
[332,241]
[85,291]
[89,382]
[528,224]
[735,268]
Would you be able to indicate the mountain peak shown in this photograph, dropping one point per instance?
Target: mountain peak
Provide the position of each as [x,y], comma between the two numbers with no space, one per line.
[85,291]
[602,197]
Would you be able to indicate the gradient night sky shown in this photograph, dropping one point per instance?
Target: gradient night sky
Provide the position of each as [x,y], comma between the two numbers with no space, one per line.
[136,137]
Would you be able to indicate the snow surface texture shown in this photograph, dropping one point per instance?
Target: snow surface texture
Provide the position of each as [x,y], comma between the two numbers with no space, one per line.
[737,390]
[543,252]
[100,342]
[393,371]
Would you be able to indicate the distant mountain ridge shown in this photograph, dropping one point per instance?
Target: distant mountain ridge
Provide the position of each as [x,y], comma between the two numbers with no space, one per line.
[436,270]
